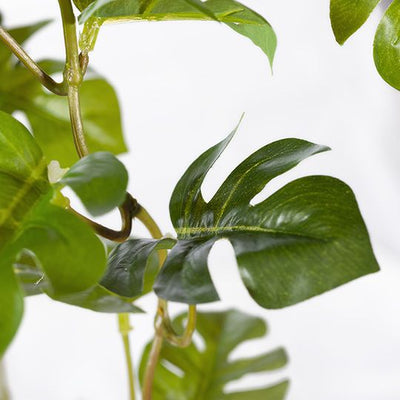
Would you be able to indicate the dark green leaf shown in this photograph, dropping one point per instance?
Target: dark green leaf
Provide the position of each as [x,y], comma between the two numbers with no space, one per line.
[349,15]
[82,4]
[305,239]
[129,266]
[194,373]
[234,14]
[387,46]
[100,180]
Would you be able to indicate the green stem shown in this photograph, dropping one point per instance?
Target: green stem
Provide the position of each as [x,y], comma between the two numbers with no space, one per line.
[4,392]
[125,328]
[163,325]
[73,75]
[46,80]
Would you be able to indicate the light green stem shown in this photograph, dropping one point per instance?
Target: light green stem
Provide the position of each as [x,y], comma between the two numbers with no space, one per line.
[4,392]
[124,329]
[46,80]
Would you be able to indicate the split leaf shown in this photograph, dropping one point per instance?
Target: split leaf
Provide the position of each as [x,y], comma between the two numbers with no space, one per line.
[193,373]
[305,239]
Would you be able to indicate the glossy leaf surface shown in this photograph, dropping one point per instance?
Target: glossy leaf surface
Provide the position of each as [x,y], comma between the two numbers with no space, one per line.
[386,46]
[234,14]
[48,113]
[193,373]
[100,181]
[303,240]
[71,255]
[347,16]
[130,270]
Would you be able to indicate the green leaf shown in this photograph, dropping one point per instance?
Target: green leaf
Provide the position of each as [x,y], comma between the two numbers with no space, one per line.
[11,304]
[305,239]
[48,113]
[193,373]
[82,4]
[347,16]
[34,282]
[69,252]
[130,270]
[234,14]
[387,46]
[71,255]
[99,180]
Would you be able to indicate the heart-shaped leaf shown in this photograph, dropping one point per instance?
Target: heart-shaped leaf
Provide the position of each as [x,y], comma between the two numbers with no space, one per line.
[194,373]
[69,252]
[48,113]
[100,180]
[347,16]
[234,14]
[305,239]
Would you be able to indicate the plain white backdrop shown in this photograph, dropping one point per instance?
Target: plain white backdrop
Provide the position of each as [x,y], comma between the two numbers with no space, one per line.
[183,87]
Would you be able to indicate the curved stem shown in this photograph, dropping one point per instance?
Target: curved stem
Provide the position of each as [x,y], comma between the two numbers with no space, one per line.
[124,329]
[163,325]
[47,81]
[128,210]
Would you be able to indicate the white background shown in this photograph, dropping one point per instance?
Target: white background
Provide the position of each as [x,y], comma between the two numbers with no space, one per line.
[183,86]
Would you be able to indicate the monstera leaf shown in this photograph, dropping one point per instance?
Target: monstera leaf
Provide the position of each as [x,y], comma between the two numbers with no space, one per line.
[71,256]
[48,113]
[232,13]
[196,374]
[347,16]
[305,239]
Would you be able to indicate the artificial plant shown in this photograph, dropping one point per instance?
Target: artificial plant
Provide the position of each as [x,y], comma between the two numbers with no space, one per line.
[305,239]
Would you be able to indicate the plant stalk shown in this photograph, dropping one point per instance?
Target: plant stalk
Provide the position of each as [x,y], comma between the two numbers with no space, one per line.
[124,329]
[4,392]
[163,325]
[47,81]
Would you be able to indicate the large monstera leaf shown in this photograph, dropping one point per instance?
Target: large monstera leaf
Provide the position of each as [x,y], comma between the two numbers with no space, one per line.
[197,374]
[303,240]
[347,16]
[33,217]
[48,113]
[230,12]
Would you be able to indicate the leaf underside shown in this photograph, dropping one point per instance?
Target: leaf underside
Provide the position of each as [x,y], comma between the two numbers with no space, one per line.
[232,13]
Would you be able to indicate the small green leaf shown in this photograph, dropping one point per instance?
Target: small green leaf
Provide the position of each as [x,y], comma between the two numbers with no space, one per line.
[305,239]
[193,373]
[82,4]
[234,14]
[129,266]
[387,46]
[347,16]
[99,180]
